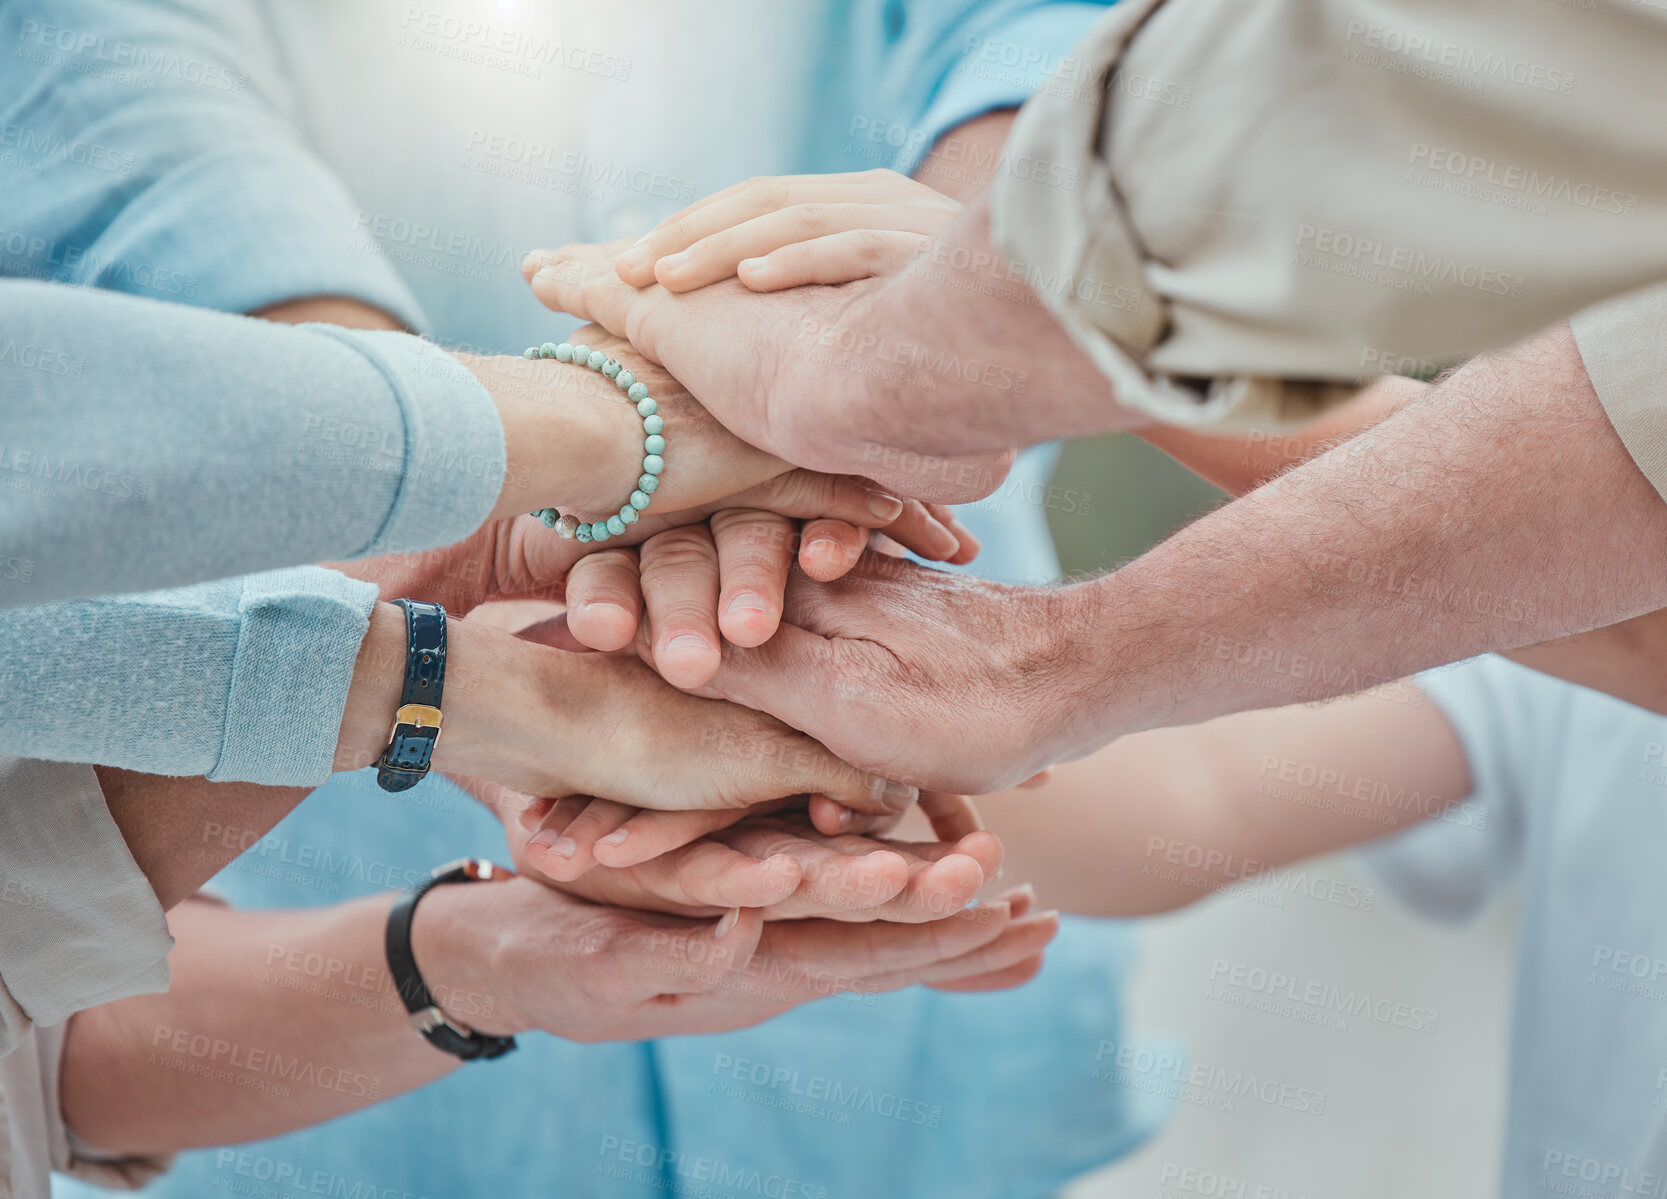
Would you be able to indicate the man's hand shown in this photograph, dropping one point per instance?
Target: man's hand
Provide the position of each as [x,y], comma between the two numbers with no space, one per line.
[951,682]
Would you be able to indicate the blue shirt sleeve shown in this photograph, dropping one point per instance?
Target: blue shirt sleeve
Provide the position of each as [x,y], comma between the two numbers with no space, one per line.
[152,445]
[147,148]
[919,68]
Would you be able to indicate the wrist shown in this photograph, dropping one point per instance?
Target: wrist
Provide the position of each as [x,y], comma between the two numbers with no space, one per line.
[373,696]
[455,941]
[568,441]
[1079,647]
[507,710]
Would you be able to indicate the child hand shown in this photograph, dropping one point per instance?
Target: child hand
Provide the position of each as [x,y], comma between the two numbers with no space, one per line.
[780,232]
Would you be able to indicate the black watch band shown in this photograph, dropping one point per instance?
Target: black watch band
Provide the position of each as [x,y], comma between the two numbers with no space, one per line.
[404,763]
[437,1028]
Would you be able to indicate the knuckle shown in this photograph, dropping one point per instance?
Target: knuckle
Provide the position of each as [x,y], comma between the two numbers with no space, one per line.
[770,194]
[808,218]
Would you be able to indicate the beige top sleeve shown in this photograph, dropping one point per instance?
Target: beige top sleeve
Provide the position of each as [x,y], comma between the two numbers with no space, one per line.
[79,923]
[1247,208]
[34,1141]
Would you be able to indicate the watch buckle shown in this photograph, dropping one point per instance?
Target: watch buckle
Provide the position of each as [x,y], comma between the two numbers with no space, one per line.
[421,716]
[426,1020]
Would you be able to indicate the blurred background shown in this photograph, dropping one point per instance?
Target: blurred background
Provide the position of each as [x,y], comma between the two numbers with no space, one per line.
[1405,1113]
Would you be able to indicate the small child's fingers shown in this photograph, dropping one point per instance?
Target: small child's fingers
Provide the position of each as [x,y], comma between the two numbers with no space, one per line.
[758,197]
[836,258]
[717,255]
[648,834]
[570,855]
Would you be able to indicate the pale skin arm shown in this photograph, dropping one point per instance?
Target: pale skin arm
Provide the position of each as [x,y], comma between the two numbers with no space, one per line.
[279,1020]
[1163,818]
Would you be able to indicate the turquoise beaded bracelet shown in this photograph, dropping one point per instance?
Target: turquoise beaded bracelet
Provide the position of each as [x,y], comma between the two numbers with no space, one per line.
[654,443]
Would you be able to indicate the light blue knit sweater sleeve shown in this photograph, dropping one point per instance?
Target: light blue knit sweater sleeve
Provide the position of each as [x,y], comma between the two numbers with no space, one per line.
[242,679]
[151,445]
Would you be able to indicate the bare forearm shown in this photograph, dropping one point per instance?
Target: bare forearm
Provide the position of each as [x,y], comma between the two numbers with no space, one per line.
[1500,511]
[274,1021]
[1164,818]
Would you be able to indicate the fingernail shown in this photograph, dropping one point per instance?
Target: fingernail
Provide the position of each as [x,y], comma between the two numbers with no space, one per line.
[635,256]
[754,264]
[602,608]
[546,275]
[617,837]
[542,840]
[728,921]
[643,240]
[885,506]
[566,847]
[826,545]
[688,641]
[675,262]
[530,258]
[747,601]
[899,797]
[846,816]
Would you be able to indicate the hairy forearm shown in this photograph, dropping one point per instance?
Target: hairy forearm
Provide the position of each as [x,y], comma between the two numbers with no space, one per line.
[1242,462]
[1003,371]
[274,1021]
[1499,511]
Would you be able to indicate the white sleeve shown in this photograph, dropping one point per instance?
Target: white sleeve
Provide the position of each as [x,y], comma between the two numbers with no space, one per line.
[1508,719]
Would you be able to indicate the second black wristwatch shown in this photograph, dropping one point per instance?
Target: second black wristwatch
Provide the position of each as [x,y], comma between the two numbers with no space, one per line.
[438,1029]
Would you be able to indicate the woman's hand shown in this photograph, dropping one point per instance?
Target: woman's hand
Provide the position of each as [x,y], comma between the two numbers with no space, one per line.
[776,862]
[791,230]
[574,443]
[589,972]
[546,722]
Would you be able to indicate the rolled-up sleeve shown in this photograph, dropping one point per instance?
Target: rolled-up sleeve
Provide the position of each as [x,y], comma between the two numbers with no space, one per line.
[1334,192]
[151,445]
[150,149]
[81,925]
[242,680]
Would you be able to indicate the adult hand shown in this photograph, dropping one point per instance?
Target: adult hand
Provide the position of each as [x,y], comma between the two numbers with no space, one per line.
[774,368]
[535,958]
[574,443]
[772,859]
[946,681]
[548,722]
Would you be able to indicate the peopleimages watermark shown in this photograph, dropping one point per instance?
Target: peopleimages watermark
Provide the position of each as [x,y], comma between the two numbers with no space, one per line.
[87,53]
[1208,868]
[504,47]
[1372,261]
[1177,1180]
[817,1095]
[1562,1173]
[625,1159]
[1443,60]
[1310,1000]
[1479,177]
[1167,1072]
[253,1067]
[243,1172]
[530,161]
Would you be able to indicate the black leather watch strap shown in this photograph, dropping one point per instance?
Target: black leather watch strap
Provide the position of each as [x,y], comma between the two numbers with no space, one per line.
[426,1016]
[405,762]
